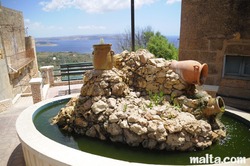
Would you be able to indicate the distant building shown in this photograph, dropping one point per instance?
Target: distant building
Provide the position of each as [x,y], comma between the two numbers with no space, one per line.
[217,33]
[18,63]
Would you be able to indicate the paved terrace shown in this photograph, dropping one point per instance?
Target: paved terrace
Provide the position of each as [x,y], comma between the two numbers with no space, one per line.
[10,148]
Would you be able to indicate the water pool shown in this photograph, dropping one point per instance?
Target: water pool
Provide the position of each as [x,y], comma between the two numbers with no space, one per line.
[236,144]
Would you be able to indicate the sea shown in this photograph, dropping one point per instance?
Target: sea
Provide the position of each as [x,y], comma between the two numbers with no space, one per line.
[83,44]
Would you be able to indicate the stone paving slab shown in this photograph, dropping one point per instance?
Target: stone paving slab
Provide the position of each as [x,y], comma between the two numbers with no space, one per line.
[11,153]
[10,148]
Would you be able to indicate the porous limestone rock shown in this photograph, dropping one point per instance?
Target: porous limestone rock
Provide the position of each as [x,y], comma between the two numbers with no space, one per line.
[141,101]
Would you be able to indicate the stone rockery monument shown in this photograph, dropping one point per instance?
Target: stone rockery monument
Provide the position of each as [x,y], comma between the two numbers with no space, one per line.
[137,99]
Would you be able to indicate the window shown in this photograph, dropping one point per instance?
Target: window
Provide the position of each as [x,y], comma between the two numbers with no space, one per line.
[238,66]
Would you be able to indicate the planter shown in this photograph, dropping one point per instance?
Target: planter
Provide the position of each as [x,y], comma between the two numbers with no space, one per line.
[190,71]
[103,57]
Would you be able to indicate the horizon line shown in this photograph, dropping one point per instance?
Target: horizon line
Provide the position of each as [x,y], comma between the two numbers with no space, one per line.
[115,34]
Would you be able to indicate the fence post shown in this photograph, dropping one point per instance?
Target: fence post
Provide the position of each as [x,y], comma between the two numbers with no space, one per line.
[36,89]
[68,79]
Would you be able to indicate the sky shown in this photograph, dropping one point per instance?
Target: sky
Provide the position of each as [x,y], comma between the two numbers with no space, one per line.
[53,18]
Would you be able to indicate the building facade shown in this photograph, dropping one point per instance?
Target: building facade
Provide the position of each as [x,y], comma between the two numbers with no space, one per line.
[217,33]
[18,62]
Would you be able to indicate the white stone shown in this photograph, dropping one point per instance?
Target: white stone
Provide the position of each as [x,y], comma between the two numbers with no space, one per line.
[160,136]
[113,118]
[161,128]
[138,129]
[173,126]
[104,84]
[121,114]
[133,118]
[152,126]
[111,102]
[143,121]
[145,56]
[124,124]
[99,107]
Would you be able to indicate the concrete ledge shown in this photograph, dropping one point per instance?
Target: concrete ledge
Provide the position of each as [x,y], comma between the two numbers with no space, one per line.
[211,89]
[40,150]
[16,98]
[36,81]
[45,90]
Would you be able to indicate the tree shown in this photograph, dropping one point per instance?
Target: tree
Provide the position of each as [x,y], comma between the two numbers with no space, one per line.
[161,48]
[142,36]
[146,38]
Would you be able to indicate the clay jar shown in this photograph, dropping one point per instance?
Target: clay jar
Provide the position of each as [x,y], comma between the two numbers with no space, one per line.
[103,57]
[214,106]
[192,72]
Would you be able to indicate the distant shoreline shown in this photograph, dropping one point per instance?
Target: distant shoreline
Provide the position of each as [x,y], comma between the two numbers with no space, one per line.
[88,37]
[45,44]
[83,44]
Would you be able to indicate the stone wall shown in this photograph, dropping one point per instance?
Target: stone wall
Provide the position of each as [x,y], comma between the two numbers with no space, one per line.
[212,29]
[12,31]
[18,57]
[5,88]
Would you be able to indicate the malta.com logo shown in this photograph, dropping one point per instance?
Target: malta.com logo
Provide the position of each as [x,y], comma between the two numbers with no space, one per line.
[210,159]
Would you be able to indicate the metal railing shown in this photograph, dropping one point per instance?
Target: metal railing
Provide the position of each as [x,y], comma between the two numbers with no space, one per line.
[19,60]
[72,71]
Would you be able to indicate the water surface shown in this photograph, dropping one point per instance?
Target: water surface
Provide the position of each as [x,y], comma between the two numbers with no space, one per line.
[236,144]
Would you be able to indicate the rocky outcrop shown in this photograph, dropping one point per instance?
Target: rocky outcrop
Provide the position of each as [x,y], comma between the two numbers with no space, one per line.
[141,101]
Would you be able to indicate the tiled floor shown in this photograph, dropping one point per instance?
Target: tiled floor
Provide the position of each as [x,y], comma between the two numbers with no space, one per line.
[10,148]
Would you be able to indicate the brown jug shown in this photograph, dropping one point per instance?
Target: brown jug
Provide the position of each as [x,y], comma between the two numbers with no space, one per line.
[103,57]
[190,71]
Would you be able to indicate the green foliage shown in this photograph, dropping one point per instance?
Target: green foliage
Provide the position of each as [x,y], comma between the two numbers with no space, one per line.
[147,35]
[177,106]
[171,115]
[161,48]
[155,99]
[57,58]
[125,107]
[146,38]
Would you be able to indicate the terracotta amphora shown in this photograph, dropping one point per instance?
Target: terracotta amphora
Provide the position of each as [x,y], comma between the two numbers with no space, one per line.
[214,106]
[103,57]
[192,72]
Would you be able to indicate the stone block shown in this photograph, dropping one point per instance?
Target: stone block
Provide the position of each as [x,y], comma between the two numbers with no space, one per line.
[36,89]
